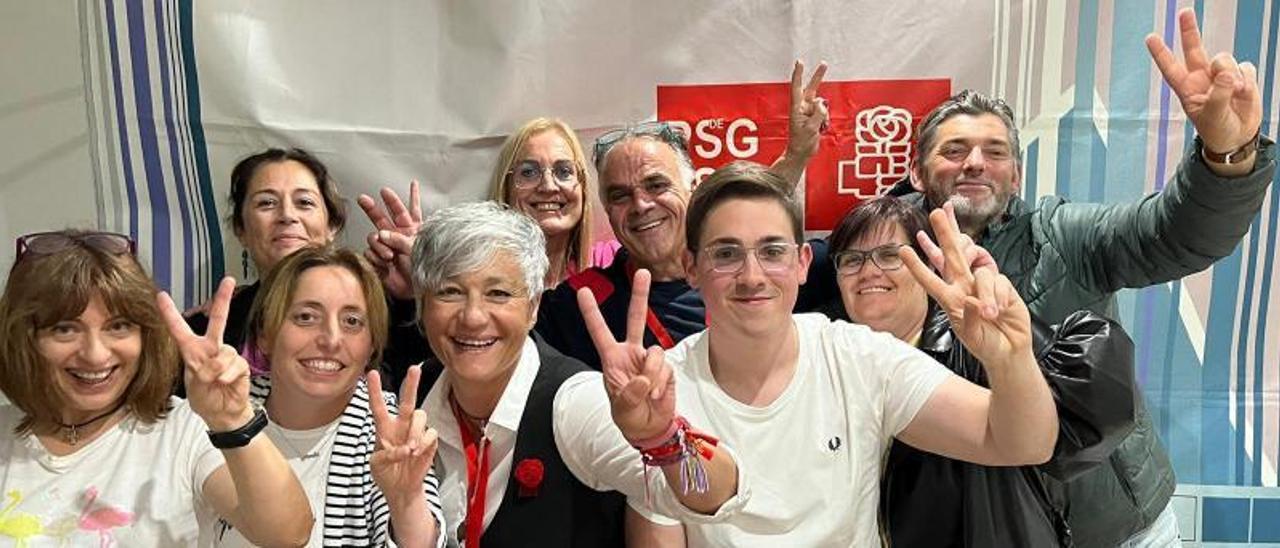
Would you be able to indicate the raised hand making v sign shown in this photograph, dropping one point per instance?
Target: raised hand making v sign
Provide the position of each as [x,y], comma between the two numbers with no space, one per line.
[395,218]
[216,376]
[256,491]
[990,318]
[1219,95]
[808,120]
[642,397]
[406,449]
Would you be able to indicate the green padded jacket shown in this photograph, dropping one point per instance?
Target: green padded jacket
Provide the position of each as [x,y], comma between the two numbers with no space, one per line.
[1065,256]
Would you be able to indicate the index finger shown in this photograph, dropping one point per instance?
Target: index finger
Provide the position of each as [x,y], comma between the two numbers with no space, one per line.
[178,328]
[638,309]
[797,80]
[601,337]
[933,285]
[1168,65]
[931,250]
[219,309]
[399,213]
[376,216]
[811,90]
[377,405]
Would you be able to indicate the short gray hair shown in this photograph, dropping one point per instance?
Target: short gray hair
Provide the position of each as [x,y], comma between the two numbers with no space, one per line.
[683,161]
[972,103]
[465,237]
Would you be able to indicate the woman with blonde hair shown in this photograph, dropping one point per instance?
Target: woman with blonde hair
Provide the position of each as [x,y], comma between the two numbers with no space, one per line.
[541,172]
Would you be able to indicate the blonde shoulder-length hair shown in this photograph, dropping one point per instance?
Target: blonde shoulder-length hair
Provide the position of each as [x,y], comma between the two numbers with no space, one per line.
[580,240]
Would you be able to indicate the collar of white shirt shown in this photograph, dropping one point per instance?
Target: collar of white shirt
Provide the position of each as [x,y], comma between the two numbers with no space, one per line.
[506,415]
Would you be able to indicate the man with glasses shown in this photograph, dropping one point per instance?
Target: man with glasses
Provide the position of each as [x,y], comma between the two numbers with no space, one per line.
[810,405]
[1063,256]
[646,177]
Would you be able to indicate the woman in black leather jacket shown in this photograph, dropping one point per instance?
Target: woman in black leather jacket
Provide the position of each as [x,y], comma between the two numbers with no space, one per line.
[930,500]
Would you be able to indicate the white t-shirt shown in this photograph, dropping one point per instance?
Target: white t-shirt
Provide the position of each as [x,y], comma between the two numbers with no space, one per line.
[308,453]
[135,485]
[814,454]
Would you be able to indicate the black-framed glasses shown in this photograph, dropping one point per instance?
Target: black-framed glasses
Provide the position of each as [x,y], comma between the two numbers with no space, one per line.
[40,244]
[731,258]
[663,131]
[530,173]
[850,261]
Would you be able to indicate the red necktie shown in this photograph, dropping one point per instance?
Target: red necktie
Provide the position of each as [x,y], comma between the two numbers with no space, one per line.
[477,478]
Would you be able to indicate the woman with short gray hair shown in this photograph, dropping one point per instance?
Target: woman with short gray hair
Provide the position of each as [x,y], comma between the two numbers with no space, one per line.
[527,454]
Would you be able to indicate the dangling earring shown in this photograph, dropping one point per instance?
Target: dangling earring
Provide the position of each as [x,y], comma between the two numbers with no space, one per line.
[244,263]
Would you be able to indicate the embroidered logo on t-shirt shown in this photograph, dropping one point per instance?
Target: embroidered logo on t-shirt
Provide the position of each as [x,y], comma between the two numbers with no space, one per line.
[834,444]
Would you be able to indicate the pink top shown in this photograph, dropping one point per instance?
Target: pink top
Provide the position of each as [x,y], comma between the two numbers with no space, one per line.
[602,254]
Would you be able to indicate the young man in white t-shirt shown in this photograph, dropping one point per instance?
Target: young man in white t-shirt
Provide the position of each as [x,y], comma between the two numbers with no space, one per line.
[811,405]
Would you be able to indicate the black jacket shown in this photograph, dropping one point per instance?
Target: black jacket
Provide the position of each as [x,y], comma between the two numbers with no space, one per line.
[930,500]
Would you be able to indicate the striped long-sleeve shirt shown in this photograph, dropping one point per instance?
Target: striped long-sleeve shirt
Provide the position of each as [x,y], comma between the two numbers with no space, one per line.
[355,510]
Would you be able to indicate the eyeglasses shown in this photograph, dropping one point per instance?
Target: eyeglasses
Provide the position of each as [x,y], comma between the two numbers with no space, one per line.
[731,258]
[41,244]
[662,131]
[850,261]
[529,174]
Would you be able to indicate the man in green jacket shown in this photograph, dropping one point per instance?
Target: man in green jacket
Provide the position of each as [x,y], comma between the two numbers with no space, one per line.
[1064,256]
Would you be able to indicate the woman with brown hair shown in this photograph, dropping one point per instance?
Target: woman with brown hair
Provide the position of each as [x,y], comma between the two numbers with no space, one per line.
[317,326]
[99,451]
[281,201]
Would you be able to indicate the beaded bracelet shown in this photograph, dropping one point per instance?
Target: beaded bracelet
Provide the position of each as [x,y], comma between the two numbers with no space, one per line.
[676,447]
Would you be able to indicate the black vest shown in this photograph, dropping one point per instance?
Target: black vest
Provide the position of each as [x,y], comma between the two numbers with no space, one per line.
[564,512]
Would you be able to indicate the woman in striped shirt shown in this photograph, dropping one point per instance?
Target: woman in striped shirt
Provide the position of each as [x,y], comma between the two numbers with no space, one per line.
[318,324]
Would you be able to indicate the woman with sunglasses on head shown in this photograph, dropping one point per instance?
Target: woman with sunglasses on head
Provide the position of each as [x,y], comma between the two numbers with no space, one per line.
[542,172]
[99,452]
[1087,361]
[317,325]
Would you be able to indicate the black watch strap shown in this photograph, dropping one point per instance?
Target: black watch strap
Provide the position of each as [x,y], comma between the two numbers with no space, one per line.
[240,437]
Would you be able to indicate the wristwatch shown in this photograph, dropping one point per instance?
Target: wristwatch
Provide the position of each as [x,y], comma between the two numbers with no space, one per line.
[240,437]
[1231,157]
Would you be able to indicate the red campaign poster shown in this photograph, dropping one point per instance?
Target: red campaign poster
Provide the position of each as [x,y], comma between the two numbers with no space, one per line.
[867,149]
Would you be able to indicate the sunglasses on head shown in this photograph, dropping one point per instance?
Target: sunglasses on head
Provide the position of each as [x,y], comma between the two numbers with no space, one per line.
[662,131]
[42,244]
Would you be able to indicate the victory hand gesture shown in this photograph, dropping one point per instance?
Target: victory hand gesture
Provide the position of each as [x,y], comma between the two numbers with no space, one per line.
[985,310]
[809,116]
[216,377]
[1219,96]
[396,218]
[640,384]
[406,446]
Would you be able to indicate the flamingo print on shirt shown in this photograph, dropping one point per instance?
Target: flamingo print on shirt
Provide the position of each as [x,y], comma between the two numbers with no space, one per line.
[102,520]
[18,526]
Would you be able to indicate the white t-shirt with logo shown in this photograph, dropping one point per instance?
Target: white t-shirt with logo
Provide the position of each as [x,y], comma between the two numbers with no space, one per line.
[814,454]
[308,453]
[134,485]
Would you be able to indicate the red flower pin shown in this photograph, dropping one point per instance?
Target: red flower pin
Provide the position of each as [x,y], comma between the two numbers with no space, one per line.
[529,476]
